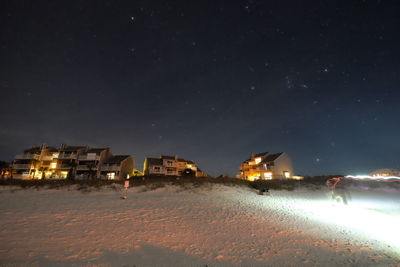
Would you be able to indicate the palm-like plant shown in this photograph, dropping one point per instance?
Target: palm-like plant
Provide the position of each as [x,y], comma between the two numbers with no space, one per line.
[43,171]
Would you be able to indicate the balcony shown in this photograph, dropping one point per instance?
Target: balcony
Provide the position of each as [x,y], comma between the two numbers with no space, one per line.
[67,156]
[85,168]
[47,158]
[89,157]
[64,167]
[27,156]
[21,166]
[109,168]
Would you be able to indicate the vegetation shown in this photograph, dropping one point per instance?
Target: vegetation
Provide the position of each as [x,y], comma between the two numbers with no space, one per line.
[154,182]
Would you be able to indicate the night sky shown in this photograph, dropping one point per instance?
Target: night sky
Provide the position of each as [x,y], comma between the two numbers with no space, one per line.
[210,81]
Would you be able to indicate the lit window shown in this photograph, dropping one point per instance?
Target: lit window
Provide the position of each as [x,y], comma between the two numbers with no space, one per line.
[287,174]
[257,160]
[111,175]
[53,165]
[268,175]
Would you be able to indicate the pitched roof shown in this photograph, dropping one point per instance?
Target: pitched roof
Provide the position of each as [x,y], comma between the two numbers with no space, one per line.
[260,154]
[51,149]
[96,150]
[167,157]
[72,148]
[256,156]
[34,149]
[116,159]
[154,161]
[187,161]
[272,157]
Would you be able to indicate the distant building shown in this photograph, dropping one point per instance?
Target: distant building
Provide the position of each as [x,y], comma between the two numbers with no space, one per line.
[386,172]
[170,166]
[90,160]
[117,167]
[266,166]
[79,162]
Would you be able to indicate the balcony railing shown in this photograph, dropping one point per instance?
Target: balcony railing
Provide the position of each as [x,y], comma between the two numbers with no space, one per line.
[47,158]
[27,156]
[85,168]
[22,166]
[67,156]
[64,167]
[89,157]
[109,168]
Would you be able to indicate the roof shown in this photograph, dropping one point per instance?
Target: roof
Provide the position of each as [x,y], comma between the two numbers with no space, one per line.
[256,156]
[116,159]
[260,154]
[72,148]
[154,161]
[34,149]
[167,157]
[51,149]
[97,150]
[187,161]
[272,157]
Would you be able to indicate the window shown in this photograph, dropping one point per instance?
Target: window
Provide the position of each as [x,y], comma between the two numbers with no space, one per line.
[257,160]
[287,174]
[169,163]
[268,175]
[53,165]
[157,169]
[111,175]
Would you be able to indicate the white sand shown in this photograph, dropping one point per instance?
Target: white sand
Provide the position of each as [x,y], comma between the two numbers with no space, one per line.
[223,226]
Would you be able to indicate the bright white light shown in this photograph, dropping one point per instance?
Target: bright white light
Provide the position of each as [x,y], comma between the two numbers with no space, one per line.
[371,177]
[368,224]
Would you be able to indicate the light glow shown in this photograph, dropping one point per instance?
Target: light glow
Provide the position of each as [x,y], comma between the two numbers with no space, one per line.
[268,175]
[372,177]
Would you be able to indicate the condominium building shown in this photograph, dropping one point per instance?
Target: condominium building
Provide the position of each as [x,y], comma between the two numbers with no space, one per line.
[170,166]
[266,166]
[80,162]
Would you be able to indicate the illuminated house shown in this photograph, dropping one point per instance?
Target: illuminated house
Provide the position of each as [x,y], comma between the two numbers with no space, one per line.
[89,161]
[67,160]
[170,166]
[35,162]
[116,167]
[79,162]
[266,166]
[386,172]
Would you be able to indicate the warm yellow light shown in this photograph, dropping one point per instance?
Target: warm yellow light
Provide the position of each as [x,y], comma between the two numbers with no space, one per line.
[268,175]
[53,165]
[257,160]
[287,174]
[254,177]
[297,177]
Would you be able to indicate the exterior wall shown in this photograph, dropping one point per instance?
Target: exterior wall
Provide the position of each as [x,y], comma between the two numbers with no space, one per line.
[282,164]
[126,168]
[57,164]
[250,170]
[169,167]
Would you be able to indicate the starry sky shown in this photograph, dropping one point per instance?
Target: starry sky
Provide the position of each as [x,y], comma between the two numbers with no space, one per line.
[210,81]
